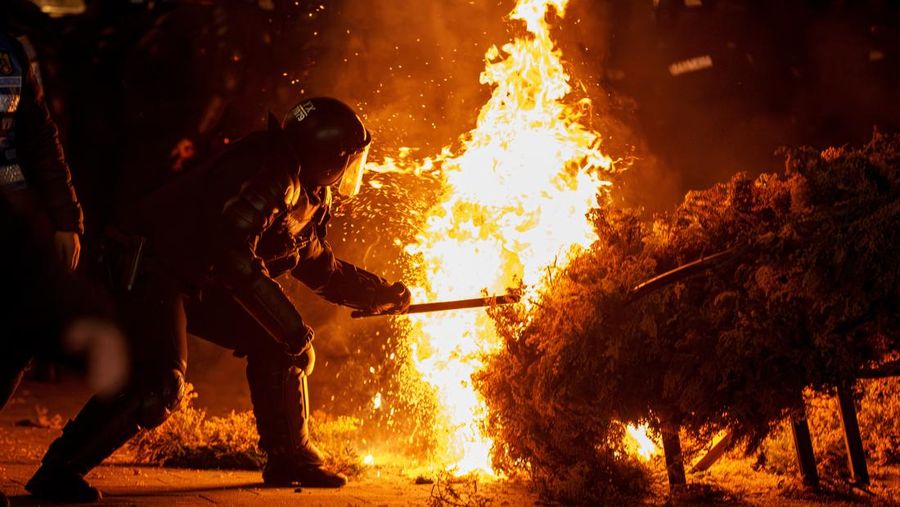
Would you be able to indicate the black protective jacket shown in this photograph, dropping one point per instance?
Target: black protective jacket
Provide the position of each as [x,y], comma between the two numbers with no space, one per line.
[227,222]
[291,245]
[29,140]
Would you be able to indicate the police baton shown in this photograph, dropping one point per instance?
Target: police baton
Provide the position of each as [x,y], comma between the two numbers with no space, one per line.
[442,306]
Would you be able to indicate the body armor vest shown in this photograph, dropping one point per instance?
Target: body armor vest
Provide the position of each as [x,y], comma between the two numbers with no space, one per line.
[12,74]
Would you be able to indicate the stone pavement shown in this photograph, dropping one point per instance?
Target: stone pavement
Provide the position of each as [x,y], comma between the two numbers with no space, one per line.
[21,448]
[126,485]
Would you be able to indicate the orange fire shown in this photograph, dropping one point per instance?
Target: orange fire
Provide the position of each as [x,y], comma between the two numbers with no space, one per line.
[638,443]
[514,202]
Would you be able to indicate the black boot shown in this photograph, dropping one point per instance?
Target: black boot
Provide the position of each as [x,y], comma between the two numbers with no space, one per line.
[96,432]
[288,471]
[62,485]
[4,502]
[281,406]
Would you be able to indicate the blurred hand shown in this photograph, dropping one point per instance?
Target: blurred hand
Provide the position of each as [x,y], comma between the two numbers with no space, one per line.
[391,299]
[104,347]
[68,247]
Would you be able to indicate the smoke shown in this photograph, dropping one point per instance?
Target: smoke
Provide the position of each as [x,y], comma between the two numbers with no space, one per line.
[413,74]
[710,88]
[412,69]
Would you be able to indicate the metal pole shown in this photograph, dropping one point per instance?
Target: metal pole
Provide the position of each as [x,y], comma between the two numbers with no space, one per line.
[441,306]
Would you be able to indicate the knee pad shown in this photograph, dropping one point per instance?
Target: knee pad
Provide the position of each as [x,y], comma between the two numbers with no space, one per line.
[276,359]
[160,398]
[308,363]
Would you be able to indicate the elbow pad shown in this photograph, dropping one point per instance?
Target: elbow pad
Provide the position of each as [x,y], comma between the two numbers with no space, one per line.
[352,286]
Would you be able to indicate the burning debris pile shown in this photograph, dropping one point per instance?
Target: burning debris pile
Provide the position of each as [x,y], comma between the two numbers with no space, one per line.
[805,298]
[193,439]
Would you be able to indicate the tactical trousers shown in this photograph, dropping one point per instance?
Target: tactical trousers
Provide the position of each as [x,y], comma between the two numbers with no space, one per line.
[37,295]
[158,316]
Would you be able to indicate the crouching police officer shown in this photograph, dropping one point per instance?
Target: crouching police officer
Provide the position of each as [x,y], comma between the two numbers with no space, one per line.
[215,239]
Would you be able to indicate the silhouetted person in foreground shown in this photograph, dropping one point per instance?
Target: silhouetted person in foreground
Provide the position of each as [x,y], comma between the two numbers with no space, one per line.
[41,224]
[49,314]
[212,241]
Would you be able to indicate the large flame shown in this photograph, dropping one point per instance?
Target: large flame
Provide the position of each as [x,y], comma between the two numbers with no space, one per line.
[514,201]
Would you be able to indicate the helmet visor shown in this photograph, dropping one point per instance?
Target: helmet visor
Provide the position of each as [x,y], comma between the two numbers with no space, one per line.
[351,180]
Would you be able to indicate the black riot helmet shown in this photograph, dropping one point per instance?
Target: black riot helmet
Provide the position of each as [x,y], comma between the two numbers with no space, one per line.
[330,141]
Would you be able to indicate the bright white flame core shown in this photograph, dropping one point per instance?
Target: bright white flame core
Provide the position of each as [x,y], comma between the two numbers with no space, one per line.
[641,444]
[514,202]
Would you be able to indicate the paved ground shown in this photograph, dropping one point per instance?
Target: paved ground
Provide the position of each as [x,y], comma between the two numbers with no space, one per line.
[124,484]
[160,486]
[164,487]
[21,447]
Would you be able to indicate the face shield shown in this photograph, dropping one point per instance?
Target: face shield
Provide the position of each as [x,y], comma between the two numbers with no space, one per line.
[351,179]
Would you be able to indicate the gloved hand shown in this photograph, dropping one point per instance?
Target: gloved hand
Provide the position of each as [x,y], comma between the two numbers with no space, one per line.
[391,299]
[297,348]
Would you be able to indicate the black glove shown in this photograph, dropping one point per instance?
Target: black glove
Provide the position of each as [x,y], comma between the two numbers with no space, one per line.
[391,299]
[296,348]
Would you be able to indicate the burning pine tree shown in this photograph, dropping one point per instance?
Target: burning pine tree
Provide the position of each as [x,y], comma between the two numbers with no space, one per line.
[806,297]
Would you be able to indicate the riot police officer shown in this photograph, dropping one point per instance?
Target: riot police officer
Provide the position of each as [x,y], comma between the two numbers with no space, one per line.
[35,184]
[34,175]
[40,217]
[215,238]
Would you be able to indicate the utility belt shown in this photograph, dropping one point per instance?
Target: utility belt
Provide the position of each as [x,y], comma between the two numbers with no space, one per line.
[126,260]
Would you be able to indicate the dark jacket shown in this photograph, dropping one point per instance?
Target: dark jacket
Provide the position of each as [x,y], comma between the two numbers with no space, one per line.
[29,140]
[227,222]
[291,245]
